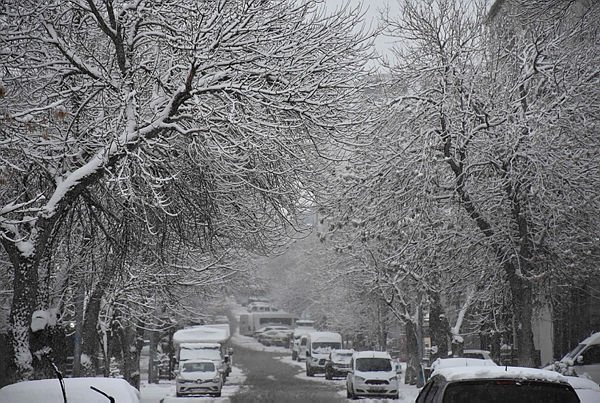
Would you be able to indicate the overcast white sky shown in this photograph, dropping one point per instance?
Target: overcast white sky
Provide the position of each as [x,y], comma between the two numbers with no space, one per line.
[373,10]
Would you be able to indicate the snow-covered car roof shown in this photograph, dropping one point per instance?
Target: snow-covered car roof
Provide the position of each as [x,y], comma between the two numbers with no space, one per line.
[77,390]
[342,351]
[593,339]
[461,362]
[212,346]
[498,372]
[371,354]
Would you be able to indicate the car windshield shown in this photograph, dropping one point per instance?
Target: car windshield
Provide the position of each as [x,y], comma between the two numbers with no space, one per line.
[500,391]
[321,347]
[373,364]
[200,353]
[341,356]
[575,351]
[198,367]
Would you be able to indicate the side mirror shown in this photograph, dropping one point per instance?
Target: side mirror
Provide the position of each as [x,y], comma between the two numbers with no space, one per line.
[176,372]
[230,351]
[579,360]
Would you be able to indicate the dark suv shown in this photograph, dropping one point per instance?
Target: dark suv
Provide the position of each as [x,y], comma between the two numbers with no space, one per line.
[496,385]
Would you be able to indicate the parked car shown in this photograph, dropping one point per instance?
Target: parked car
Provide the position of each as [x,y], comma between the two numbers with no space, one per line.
[199,377]
[88,390]
[496,384]
[318,347]
[372,373]
[267,328]
[479,354]
[303,328]
[460,362]
[587,390]
[275,337]
[583,360]
[338,363]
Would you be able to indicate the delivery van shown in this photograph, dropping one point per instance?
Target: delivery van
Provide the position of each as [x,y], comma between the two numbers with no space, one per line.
[318,347]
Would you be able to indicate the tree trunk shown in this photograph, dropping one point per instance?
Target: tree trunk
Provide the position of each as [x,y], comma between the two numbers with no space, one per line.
[522,303]
[90,337]
[25,289]
[414,359]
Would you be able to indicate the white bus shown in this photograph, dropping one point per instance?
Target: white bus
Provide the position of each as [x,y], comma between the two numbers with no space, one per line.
[251,322]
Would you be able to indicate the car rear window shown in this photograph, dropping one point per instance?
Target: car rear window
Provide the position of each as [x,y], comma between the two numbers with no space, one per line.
[501,391]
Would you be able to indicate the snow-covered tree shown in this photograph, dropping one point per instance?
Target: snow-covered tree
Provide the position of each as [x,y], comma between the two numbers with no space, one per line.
[212,112]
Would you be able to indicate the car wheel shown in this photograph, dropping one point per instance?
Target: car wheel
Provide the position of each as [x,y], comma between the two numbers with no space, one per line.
[178,394]
[218,394]
[397,397]
[308,372]
[349,394]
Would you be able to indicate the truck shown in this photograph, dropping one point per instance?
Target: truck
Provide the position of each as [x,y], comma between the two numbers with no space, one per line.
[205,342]
[252,321]
[318,347]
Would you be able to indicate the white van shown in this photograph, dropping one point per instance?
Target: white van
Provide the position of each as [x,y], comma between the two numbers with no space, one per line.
[318,347]
[584,360]
[372,373]
[303,327]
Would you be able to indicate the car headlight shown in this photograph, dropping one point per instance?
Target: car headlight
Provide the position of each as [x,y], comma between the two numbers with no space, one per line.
[393,379]
[359,379]
[216,379]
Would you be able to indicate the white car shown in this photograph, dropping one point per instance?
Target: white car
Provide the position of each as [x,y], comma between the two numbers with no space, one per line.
[199,377]
[88,390]
[460,362]
[479,354]
[587,390]
[496,384]
[372,373]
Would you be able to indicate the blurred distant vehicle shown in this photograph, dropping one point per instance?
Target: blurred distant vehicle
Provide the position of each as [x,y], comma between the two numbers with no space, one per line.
[252,321]
[479,354]
[275,337]
[303,328]
[261,307]
[338,363]
[496,384]
[267,328]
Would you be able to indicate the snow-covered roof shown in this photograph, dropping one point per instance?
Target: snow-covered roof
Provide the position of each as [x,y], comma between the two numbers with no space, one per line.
[202,334]
[211,346]
[77,390]
[325,336]
[372,354]
[499,372]
[461,362]
[593,339]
